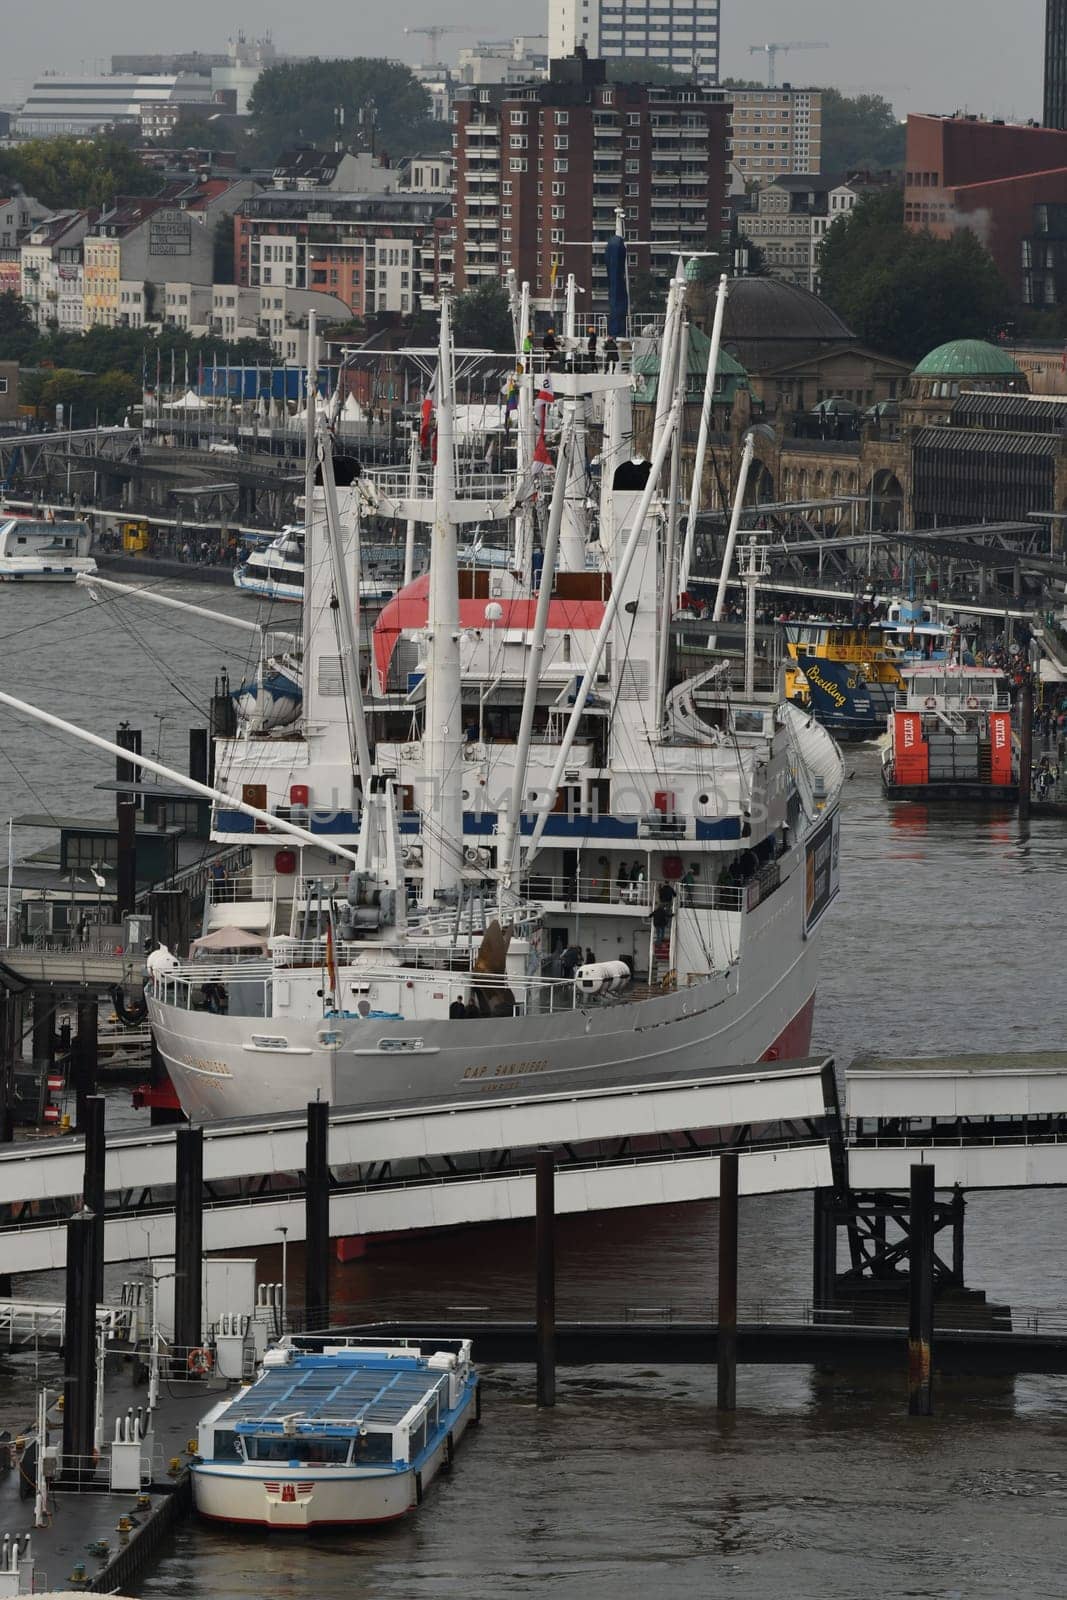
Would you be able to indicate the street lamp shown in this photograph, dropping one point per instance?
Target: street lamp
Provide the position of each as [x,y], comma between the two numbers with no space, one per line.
[285,1278]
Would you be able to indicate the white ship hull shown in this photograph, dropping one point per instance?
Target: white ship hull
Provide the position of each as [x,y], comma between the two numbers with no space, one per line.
[760,1009]
[297,1498]
[34,569]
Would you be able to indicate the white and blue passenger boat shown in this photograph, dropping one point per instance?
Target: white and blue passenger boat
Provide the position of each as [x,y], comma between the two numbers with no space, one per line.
[351,1431]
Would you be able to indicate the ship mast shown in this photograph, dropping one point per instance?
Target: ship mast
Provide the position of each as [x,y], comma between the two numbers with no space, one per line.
[442,801]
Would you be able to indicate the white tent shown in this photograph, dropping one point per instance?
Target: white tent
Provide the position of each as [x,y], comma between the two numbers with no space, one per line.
[190,401]
[352,411]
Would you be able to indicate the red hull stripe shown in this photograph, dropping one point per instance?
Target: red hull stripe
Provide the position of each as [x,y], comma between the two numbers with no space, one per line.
[794,1041]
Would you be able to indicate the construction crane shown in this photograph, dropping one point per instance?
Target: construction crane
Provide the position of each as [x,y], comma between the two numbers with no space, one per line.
[433,32]
[773,51]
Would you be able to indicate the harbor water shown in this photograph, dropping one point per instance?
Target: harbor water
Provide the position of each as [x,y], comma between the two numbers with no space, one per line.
[945,937]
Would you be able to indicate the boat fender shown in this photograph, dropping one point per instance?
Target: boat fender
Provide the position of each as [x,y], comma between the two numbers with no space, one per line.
[930,702]
[200,1361]
[972,703]
[450,1451]
[418,1488]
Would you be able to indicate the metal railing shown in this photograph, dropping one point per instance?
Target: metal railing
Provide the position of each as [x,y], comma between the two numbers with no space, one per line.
[246,887]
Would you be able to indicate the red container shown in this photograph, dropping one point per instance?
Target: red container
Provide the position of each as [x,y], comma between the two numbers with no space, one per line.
[285,862]
[299,794]
[664,801]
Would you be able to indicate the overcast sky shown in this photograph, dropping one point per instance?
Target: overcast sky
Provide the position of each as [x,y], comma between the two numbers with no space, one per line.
[924,55]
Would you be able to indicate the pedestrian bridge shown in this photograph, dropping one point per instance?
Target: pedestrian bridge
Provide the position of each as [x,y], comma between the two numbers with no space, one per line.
[982,1121]
[438,1165]
[70,969]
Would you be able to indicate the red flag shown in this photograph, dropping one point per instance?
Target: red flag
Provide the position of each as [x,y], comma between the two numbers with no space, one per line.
[426,419]
[541,457]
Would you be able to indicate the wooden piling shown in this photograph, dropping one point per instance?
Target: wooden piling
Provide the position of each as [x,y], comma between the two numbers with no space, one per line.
[317,1217]
[86,1057]
[959,1205]
[727,1347]
[921,1293]
[188,1238]
[1026,744]
[545,1227]
[126,871]
[92,1126]
[824,1251]
[79,1349]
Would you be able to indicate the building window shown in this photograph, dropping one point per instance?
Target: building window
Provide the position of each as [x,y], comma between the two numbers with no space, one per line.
[517,164]
[562,141]
[559,166]
[562,118]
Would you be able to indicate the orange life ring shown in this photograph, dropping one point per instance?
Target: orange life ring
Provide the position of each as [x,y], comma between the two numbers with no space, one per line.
[200,1361]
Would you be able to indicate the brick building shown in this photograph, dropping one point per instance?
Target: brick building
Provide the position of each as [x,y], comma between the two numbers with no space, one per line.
[541,169]
[991,177]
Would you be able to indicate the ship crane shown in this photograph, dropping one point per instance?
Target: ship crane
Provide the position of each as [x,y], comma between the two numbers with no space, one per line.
[434,31]
[773,51]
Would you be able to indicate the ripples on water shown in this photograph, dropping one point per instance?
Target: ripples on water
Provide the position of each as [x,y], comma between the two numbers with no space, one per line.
[946,936]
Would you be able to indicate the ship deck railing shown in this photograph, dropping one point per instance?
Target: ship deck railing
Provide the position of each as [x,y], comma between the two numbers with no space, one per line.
[248,984]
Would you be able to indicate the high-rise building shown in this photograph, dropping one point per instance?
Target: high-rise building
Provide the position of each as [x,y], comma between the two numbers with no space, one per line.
[683,34]
[543,168]
[1055,64]
[775,131]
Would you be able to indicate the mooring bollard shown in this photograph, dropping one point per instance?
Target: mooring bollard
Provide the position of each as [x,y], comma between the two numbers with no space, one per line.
[545,1229]
[921,1293]
[727,1348]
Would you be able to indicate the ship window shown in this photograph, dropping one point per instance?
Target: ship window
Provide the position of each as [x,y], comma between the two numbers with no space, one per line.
[225,1446]
[374,1447]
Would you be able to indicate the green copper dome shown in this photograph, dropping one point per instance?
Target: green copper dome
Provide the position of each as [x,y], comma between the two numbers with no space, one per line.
[731,373]
[966,358]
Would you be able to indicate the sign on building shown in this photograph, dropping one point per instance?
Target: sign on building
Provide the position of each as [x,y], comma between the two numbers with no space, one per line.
[170,233]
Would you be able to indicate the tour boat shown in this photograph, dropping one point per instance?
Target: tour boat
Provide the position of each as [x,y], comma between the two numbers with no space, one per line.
[335,1433]
[560,864]
[35,551]
[950,737]
[276,571]
[845,672]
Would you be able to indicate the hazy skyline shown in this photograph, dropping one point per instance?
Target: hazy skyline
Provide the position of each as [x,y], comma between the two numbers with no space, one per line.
[923,55]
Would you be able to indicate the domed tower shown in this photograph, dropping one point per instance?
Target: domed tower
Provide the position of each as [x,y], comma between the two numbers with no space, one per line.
[946,372]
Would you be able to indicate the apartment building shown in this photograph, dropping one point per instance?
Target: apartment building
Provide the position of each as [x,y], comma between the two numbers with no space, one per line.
[364,249]
[683,34]
[790,217]
[50,269]
[542,171]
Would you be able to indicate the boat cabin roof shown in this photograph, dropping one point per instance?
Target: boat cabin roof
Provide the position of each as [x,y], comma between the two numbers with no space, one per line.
[350,1390]
[952,671]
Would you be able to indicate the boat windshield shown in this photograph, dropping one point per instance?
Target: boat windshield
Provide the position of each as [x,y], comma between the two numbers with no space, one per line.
[309,1450]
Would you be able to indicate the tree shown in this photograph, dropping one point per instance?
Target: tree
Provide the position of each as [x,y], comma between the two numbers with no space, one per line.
[641,69]
[76,172]
[860,134]
[14,316]
[481,317]
[752,256]
[648,290]
[906,292]
[299,102]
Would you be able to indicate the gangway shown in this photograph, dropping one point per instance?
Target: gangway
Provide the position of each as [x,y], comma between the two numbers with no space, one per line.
[443,1164]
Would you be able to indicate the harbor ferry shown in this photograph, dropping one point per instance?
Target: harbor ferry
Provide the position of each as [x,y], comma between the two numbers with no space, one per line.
[950,736]
[275,570]
[335,1434]
[33,550]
